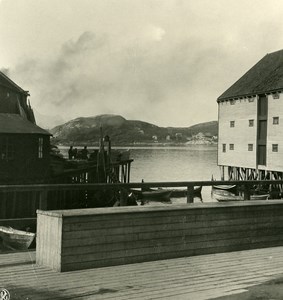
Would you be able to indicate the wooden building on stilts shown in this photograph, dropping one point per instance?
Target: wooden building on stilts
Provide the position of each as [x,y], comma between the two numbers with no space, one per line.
[250,115]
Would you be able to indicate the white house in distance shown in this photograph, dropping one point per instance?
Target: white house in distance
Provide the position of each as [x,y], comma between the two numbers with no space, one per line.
[250,116]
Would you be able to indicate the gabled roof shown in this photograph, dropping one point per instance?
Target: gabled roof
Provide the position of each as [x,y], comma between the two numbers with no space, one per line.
[265,76]
[6,81]
[14,123]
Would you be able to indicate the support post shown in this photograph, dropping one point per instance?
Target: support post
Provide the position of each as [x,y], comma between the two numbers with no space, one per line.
[247,194]
[123,197]
[190,194]
[43,200]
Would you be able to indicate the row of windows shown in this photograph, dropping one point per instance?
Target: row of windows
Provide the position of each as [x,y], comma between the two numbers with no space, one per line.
[250,147]
[7,149]
[251,122]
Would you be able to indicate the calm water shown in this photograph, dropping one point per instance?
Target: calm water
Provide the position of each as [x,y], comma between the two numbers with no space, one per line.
[193,162]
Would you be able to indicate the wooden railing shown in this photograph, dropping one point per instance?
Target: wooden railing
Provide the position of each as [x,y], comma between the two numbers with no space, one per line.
[59,196]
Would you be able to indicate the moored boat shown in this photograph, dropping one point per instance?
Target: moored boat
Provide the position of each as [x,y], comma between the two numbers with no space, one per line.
[227,187]
[16,239]
[225,196]
[179,193]
[157,195]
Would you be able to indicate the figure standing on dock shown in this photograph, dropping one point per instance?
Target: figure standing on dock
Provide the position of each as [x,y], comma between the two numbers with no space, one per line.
[70,152]
[84,153]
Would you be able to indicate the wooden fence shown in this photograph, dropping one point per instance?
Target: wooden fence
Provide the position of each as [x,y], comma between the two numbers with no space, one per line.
[79,239]
[22,201]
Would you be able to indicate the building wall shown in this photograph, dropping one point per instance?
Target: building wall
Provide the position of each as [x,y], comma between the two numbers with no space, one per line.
[25,166]
[275,134]
[240,135]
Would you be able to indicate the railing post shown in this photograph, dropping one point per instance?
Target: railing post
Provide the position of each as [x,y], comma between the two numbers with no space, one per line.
[247,194]
[43,200]
[123,197]
[190,194]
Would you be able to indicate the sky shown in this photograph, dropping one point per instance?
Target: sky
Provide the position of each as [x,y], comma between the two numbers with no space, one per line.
[163,62]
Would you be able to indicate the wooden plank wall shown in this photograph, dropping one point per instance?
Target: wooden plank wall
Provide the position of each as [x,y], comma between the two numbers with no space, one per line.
[48,242]
[140,234]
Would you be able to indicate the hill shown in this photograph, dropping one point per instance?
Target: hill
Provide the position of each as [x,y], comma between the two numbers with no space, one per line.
[86,130]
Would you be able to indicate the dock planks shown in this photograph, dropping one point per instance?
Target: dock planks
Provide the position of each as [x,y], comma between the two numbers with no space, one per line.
[197,277]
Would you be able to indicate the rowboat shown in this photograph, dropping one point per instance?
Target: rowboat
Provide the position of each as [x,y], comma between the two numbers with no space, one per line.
[16,239]
[157,195]
[225,187]
[179,193]
[175,193]
[225,196]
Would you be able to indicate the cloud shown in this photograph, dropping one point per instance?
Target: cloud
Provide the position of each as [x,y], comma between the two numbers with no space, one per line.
[94,74]
[156,33]
[165,62]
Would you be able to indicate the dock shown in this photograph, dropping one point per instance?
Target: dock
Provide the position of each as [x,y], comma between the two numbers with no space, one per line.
[196,277]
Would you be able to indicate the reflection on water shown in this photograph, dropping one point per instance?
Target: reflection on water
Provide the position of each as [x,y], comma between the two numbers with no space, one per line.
[189,163]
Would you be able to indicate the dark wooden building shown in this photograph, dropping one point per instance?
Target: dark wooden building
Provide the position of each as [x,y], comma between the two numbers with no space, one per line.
[24,147]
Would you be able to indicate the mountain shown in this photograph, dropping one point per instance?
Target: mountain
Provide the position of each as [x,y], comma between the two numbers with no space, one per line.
[86,130]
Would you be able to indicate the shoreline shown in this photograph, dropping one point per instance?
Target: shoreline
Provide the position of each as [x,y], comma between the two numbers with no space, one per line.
[139,145]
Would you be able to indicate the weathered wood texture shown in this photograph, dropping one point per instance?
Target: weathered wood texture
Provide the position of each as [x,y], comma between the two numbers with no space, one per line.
[195,278]
[48,249]
[113,236]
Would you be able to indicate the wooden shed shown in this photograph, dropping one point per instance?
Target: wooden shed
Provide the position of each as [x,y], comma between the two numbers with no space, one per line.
[24,147]
[250,115]
[24,150]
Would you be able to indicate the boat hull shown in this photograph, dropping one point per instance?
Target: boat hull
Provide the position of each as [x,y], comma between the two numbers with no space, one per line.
[157,195]
[226,196]
[16,239]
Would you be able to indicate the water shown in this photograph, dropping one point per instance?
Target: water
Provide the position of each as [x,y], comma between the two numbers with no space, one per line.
[189,163]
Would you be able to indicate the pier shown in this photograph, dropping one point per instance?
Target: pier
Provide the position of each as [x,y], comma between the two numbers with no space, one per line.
[199,277]
[217,249]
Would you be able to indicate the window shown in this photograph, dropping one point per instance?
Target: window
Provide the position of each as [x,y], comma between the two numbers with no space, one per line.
[40,148]
[231,146]
[274,147]
[223,147]
[250,147]
[251,123]
[275,120]
[275,95]
[232,123]
[7,149]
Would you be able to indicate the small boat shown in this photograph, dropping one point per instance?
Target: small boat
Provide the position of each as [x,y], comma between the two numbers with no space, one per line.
[175,193]
[230,188]
[224,196]
[16,239]
[179,193]
[157,195]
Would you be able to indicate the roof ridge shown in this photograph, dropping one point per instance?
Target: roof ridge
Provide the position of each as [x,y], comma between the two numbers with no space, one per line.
[12,82]
[261,77]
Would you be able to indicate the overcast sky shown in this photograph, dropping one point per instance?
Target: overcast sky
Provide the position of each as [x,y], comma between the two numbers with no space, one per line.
[163,62]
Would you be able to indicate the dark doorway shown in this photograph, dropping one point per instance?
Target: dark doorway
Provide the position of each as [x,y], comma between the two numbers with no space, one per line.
[262,130]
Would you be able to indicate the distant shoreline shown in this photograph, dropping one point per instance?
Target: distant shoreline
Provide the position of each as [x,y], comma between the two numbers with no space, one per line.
[138,145]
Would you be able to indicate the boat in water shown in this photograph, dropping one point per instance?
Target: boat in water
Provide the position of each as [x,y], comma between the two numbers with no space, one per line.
[16,239]
[157,195]
[227,196]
